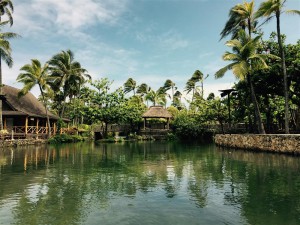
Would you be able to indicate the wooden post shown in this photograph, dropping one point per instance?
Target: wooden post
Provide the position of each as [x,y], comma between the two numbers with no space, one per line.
[54,129]
[26,125]
[4,123]
[144,123]
[37,128]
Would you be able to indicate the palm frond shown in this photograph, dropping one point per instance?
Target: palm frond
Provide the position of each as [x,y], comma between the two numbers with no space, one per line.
[221,72]
[291,11]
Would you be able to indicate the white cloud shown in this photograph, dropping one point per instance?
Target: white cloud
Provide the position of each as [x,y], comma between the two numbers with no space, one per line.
[42,15]
[78,13]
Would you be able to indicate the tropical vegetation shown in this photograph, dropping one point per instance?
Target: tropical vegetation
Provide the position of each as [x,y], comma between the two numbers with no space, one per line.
[68,90]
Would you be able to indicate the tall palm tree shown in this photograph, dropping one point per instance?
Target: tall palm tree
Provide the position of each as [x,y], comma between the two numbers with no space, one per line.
[157,97]
[36,74]
[130,85]
[269,9]
[143,90]
[68,73]
[245,61]
[5,54]
[192,82]
[190,86]
[177,98]
[7,8]
[241,16]
[170,85]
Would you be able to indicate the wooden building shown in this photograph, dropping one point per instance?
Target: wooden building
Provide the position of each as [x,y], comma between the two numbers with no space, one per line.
[25,117]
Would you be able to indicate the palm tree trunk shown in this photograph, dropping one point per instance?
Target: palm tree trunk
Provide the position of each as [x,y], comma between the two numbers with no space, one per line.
[283,67]
[1,119]
[63,108]
[260,125]
[45,105]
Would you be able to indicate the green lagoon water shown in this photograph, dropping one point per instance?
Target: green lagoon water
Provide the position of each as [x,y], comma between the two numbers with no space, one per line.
[147,183]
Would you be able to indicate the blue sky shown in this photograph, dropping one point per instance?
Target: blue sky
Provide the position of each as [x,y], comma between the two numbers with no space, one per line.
[148,40]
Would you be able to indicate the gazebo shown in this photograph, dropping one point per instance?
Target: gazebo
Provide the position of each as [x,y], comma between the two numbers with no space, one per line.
[157,112]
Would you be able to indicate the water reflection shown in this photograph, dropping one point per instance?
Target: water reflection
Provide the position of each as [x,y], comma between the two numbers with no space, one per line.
[147,182]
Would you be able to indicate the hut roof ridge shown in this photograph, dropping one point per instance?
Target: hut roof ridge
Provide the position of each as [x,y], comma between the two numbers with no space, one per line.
[157,112]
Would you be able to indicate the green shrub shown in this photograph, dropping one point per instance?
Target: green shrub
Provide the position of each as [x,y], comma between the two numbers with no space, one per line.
[188,127]
[65,138]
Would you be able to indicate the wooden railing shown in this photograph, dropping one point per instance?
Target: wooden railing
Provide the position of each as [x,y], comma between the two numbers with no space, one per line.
[30,130]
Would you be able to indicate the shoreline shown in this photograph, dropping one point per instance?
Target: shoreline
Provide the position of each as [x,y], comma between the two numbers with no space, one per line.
[276,143]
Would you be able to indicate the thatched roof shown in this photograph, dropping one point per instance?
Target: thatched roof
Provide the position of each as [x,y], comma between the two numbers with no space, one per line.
[25,105]
[157,112]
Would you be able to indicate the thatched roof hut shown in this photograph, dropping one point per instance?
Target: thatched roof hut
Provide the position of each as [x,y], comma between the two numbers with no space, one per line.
[27,105]
[157,112]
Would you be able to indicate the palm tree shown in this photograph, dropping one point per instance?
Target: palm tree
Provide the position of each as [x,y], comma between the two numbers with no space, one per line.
[143,90]
[269,9]
[177,98]
[191,83]
[5,54]
[245,62]
[129,86]
[190,86]
[7,8]
[68,73]
[36,74]
[241,16]
[170,85]
[157,97]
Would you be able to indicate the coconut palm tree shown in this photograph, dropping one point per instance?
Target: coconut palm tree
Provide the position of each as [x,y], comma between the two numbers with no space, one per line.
[68,73]
[36,74]
[190,86]
[192,82]
[157,97]
[170,85]
[245,61]
[130,85]
[5,54]
[143,90]
[177,99]
[241,16]
[7,8]
[269,9]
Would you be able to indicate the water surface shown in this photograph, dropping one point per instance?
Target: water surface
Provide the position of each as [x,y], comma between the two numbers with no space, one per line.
[147,183]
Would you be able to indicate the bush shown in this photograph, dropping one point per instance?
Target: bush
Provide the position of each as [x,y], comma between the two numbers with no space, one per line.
[65,138]
[188,127]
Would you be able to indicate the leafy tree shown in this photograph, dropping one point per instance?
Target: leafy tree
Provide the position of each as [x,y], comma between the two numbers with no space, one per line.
[131,111]
[269,9]
[36,74]
[245,61]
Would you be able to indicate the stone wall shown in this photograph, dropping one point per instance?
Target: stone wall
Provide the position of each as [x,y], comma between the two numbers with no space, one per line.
[20,142]
[289,144]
